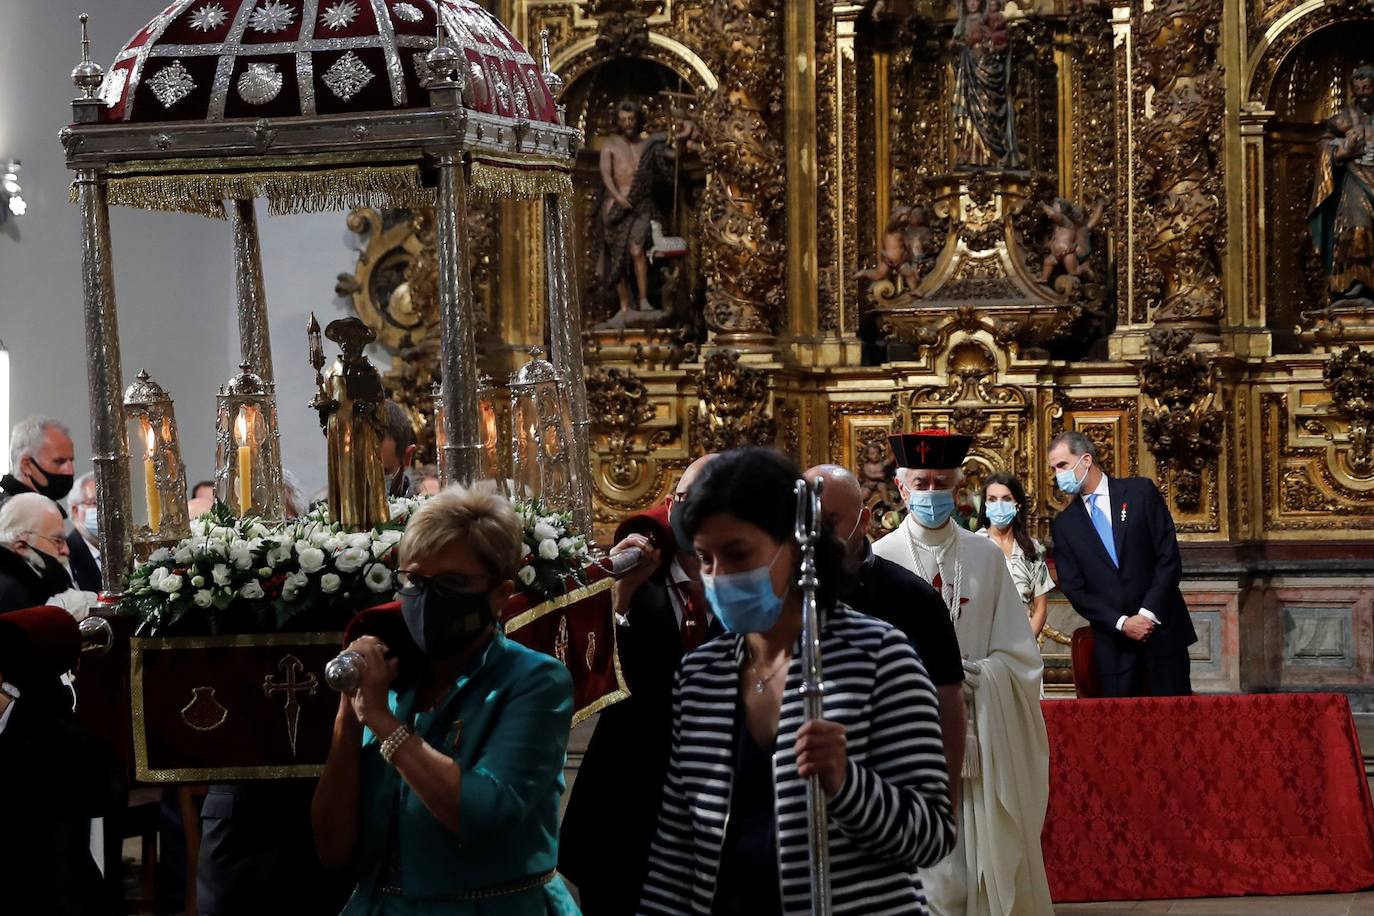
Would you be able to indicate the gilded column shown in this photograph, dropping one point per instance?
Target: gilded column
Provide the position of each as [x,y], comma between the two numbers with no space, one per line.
[844,171]
[255,343]
[1253,121]
[1127,339]
[799,56]
[104,379]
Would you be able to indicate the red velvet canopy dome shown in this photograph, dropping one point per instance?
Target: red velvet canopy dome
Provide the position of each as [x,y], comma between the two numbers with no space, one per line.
[212,60]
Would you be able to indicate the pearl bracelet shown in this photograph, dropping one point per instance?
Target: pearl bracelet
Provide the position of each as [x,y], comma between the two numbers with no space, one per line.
[393,742]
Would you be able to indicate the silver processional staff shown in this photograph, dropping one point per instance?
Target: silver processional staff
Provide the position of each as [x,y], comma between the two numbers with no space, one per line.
[808,531]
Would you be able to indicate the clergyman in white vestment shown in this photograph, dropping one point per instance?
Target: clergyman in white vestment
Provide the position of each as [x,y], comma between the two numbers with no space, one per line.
[997,868]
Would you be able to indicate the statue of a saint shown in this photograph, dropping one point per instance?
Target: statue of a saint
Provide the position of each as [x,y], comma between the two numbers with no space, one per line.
[1342,217]
[631,165]
[350,401]
[984,122]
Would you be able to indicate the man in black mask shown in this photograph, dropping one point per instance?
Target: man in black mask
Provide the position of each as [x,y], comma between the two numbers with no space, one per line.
[32,547]
[42,461]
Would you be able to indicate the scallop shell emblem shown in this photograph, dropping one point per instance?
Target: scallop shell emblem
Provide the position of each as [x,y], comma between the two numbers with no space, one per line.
[260,84]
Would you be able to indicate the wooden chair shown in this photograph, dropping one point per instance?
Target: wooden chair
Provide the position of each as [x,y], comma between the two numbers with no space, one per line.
[1084,674]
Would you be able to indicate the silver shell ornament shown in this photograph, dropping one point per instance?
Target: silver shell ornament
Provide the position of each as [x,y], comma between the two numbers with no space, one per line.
[260,84]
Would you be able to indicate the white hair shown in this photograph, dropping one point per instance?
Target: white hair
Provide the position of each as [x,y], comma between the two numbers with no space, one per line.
[903,474]
[22,514]
[26,439]
[292,496]
[78,493]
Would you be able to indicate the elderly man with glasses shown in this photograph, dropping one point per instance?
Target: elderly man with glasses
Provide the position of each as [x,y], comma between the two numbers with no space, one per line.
[34,557]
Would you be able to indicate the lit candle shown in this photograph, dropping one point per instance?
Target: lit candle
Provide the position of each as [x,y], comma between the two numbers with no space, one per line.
[150,485]
[245,463]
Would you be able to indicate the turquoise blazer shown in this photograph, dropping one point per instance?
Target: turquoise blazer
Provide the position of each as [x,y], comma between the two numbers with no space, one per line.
[506,723]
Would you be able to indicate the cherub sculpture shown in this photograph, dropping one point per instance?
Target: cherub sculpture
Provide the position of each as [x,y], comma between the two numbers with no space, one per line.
[1070,242]
[908,246]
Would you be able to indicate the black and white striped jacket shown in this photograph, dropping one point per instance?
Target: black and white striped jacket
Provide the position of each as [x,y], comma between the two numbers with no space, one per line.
[891,817]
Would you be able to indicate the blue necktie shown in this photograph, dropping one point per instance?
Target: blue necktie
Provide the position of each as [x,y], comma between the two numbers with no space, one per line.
[1104,528]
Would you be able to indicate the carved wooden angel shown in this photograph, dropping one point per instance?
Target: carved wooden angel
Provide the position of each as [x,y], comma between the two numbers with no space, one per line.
[1070,242]
[908,246]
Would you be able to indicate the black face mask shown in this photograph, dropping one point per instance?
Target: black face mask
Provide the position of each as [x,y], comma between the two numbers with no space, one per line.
[443,621]
[58,485]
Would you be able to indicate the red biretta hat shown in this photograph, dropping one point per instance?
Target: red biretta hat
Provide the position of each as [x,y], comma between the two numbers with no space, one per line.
[929,449]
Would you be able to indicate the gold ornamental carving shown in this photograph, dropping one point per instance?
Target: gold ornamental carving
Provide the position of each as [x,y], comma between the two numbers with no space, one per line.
[1181,225]
[1349,376]
[1308,485]
[733,404]
[620,406]
[743,220]
[1181,427]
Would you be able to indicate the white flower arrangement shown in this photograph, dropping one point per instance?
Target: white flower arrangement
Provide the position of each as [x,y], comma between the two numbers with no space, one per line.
[248,576]
[554,552]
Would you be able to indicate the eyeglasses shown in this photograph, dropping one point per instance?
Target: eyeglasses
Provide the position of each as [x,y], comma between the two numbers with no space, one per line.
[452,582]
[58,542]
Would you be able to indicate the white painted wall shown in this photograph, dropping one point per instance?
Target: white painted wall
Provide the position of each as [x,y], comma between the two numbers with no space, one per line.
[173,273]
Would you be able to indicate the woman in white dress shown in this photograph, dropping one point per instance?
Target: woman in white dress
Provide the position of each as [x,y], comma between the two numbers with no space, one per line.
[1001,518]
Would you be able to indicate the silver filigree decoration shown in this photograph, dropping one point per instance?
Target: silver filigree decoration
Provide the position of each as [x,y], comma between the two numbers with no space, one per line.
[112,90]
[502,90]
[172,83]
[481,87]
[340,15]
[260,84]
[273,16]
[522,101]
[407,12]
[209,17]
[348,76]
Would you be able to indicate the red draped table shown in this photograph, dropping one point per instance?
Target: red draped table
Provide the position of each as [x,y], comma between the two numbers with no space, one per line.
[1207,796]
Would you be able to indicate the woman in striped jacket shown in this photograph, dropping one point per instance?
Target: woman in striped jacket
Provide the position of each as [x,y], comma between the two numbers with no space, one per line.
[732,832]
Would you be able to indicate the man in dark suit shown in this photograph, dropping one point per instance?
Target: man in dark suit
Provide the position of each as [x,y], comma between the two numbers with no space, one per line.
[42,461]
[1117,559]
[661,613]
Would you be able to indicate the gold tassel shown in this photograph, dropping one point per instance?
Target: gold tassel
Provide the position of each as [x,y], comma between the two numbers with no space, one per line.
[286,191]
[493,180]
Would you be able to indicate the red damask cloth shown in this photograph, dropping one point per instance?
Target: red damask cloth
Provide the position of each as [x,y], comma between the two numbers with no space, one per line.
[1207,796]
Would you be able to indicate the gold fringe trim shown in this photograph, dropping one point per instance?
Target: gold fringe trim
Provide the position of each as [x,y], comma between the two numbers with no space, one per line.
[494,180]
[381,187]
[555,604]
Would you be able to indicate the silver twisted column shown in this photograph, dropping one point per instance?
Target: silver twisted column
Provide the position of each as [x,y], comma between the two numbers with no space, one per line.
[457,329]
[104,378]
[255,343]
[808,531]
[565,345]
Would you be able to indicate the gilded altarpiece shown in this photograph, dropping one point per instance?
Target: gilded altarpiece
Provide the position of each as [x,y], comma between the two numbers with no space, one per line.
[1191,337]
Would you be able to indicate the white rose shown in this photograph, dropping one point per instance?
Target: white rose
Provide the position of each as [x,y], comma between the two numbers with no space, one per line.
[279,555]
[360,541]
[220,573]
[258,530]
[566,543]
[242,555]
[545,532]
[183,555]
[319,536]
[157,575]
[548,549]
[220,532]
[329,583]
[252,591]
[391,536]
[200,527]
[378,578]
[216,548]
[312,559]
[332,545]
[380,549]
[203,598]
[170,584]
[351,560]
[161,555]
[293,584]
[526,574]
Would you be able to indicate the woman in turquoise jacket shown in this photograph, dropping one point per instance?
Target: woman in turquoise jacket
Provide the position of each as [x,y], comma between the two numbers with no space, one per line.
[442,794]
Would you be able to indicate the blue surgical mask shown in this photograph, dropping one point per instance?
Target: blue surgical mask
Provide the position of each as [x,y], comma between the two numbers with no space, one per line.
[1068,479]
[744,602]
[91,521]
[1001,513]
[931,507]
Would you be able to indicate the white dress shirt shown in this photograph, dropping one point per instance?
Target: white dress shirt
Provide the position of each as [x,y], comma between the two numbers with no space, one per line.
[1102,496]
